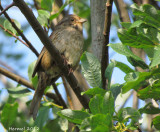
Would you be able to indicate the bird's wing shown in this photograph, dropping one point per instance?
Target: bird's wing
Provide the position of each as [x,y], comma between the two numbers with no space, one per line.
[37,65]
[56,41]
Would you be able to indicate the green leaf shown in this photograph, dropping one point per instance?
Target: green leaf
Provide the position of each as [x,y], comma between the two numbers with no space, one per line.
[123,49]
[93,91]
[149,52]
[54,16]
[128,113]
[137,63]
[43,17]
[123,67]
[156,122]
[57,125]
[155,79]
[137,23]
[35,81]
[108,104]
[108,73]
[149,92]
[18,92]
[116,89]
[61,9]
[95,104]
[132,58]
[156,55]
[149,109]
[137,82]
[82,8]
[52,125]
[47,4]
[9,114]
[30,70]
[8,25]
[74,116]
[91,69]
[131,76]
[149,32]
[148,14]
[126,25]
[48,89]
[84,13]
[42,117]
[85,125]
[55,110]
[63,124]
[48,104]
[101,123]
[132,38]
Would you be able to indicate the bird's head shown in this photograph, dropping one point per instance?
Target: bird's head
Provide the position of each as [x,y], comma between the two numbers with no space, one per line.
[73,20]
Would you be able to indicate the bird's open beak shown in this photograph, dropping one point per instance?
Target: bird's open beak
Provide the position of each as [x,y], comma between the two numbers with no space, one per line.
[82,20]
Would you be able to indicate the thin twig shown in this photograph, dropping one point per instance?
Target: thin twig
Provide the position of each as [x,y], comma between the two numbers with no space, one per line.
[20,32]
[58,106]
[135,100]
[59,96]
[67,92]
[106,31]
[53,51]
[122,10]
[14,35]
[24,82]
[5,65]
[6,8]
[139,2]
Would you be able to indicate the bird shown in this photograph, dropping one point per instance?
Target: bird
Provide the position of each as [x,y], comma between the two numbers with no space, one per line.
[67,37]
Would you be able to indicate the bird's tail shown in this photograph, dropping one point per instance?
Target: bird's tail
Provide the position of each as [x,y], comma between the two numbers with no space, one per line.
[35,104]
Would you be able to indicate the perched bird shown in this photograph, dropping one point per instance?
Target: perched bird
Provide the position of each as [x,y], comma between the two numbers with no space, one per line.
[67,37]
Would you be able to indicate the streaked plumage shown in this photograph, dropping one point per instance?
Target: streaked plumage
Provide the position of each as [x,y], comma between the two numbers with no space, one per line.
[68,39]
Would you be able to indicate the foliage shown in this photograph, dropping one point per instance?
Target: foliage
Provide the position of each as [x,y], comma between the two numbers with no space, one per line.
[102,109]
[91,69]
[102,115]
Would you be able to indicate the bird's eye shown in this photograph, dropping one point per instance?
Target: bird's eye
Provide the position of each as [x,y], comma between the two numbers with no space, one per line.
[72,19]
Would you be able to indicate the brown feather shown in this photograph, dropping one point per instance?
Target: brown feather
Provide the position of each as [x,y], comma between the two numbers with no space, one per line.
[68,39]
[37,65]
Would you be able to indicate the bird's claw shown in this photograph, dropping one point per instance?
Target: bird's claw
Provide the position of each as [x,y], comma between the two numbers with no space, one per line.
[66,63]
[70,69]
[65,60]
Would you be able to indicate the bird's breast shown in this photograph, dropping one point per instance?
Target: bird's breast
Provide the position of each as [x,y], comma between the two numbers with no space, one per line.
[70,43]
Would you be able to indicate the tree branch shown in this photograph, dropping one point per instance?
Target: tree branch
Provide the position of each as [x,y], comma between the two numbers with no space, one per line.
[12,4]
[19,32]
[137,1]
[66,86]
[6,66]
[154,3]
[106,31]
[14,36]
[122,10]
[97,26]
[52,50]
[59,96]
[24,82]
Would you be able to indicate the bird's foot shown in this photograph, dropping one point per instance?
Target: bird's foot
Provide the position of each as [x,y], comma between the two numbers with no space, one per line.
[66,63]
[70,69]
[65,60]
